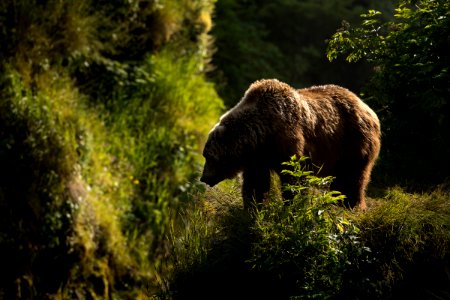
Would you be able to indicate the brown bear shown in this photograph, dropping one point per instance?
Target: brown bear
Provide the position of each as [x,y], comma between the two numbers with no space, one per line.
[273,121]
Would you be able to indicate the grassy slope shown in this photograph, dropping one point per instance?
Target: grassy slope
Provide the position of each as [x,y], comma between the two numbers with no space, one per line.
[401,251]
[99,144]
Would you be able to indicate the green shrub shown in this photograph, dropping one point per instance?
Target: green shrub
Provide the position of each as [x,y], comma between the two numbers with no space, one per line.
[308,241]
[410,83]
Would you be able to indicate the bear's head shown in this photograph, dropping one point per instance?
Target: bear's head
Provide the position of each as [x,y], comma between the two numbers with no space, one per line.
[219,152]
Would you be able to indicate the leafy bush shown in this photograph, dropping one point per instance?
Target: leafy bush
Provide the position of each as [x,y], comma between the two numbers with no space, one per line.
[409,89]
[309,242]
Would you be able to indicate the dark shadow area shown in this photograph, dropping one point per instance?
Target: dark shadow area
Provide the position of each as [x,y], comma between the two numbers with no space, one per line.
[226,274]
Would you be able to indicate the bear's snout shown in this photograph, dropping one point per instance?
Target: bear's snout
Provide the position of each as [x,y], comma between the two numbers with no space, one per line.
[209,180]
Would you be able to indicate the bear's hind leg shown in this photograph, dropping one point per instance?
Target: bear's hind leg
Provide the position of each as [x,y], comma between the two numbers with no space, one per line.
[353,183]
[256,184]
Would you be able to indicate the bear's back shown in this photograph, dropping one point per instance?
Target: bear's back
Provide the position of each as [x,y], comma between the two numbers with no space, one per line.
[334,94]
[343,100]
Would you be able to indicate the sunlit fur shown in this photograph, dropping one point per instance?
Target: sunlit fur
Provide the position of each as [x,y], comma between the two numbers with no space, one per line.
[274,121]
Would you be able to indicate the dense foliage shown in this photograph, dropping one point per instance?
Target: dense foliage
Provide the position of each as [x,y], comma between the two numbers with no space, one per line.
[104,108]
[309,243]
[410,89]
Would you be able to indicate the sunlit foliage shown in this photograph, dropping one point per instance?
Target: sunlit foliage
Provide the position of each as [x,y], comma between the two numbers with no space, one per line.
[409,89]
[104,110]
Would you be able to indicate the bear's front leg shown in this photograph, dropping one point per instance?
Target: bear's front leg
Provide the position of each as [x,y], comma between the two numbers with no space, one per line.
[256,184]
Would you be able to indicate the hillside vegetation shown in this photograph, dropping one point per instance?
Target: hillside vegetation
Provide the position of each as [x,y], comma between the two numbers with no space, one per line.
[104,110]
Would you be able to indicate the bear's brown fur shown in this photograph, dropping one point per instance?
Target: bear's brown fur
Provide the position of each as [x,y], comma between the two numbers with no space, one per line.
[274,121]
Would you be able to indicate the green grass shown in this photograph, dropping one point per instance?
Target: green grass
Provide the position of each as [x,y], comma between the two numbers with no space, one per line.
[410,237]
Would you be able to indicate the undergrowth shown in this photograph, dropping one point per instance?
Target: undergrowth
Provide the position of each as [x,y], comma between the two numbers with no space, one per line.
[410,237]
[104,107]
[308,242]
[311,247]
[95,187]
